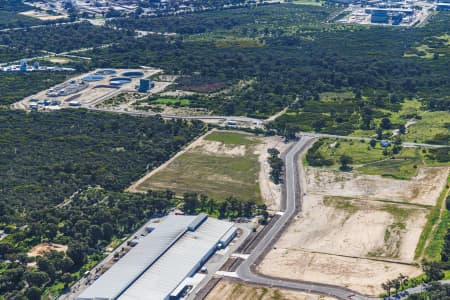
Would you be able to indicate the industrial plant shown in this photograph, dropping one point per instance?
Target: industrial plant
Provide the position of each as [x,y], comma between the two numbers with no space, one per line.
[36,67]
[89,89]
[161,263]
[389,12]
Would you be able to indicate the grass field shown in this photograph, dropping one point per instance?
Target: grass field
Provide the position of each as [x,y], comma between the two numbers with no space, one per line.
[372,161]
[431,124]
[223,165]
[172,101]
[309,2]
[439,220]
[231,138]
[423,130]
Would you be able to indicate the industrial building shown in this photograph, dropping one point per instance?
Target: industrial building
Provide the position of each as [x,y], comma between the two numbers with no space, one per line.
[157,266]
[145,85]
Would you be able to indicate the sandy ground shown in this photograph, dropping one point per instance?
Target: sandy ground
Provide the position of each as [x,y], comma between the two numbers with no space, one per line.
[362,275]
[238,291]
[424,188]
[366,229]
[348,235]
[177,93]
[270,192]
[41,249]
[59,60]
[41,15]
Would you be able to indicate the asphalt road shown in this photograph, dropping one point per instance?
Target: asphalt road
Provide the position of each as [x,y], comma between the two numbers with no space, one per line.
[247,272]
[253,121]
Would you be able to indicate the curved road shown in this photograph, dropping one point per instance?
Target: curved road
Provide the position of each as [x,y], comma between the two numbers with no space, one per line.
[247,270]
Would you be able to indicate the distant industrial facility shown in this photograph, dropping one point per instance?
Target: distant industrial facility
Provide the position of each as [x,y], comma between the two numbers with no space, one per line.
[24,67]
[159,264]
[389,12]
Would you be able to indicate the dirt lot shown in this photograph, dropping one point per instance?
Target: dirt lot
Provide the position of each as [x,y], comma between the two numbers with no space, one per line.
[41,249]
[238,291]
[42,15]
[362,275]
[422,189]
[230,164]
[356,230]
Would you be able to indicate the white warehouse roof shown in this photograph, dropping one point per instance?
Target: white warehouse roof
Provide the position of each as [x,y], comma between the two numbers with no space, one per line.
[161,261]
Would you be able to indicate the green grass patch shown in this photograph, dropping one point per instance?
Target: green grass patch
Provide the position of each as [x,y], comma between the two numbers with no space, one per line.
[342,203]
[231,138]
[437,239]
[308,2]
[337,96]
[372,161]
[53,291]
[432,124]
[115,243]
[236,42]
[172,101]
[399,168]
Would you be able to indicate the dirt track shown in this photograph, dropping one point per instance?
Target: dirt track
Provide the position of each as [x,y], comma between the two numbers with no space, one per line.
[238,291]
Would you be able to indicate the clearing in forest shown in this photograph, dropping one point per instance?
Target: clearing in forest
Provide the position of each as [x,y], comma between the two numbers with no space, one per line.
[220,165]
[43,248]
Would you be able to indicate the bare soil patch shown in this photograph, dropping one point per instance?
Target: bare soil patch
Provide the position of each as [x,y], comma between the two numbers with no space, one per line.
[238,291]
[356,227]
[42,15]
[362,275]
[424,188]
[43,248]
[356,230]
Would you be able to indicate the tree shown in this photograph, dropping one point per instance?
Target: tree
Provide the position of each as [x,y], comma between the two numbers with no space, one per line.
[190,202]
[387,286]
[379,133]
[66,264]
[433,271]
[373,143]
[36,278]
[223,207]
[402,129]
[45,265]
[67,279]
[77,252]
[385,123]
[396,284]
[345,162]
[108,231]
[33,293]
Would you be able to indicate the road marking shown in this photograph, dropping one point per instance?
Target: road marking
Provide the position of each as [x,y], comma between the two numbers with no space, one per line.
[240,255]
[227,274]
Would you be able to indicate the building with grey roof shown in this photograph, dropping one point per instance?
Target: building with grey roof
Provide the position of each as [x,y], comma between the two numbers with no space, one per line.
[163,259]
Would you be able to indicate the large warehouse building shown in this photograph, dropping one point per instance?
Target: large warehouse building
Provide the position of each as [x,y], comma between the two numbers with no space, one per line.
[162,260]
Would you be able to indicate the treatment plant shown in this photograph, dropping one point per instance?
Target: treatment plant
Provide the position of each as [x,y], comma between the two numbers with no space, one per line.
[90,89]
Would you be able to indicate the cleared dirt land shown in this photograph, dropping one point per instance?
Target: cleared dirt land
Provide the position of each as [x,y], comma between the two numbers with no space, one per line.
[43,248]
[220,164]
[356,230]
[238,291]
